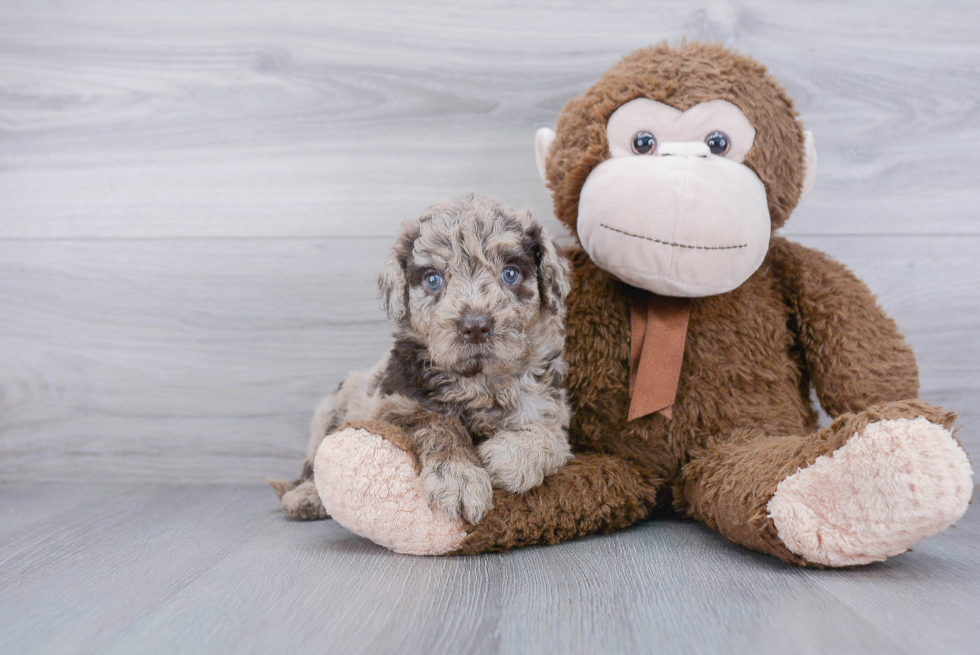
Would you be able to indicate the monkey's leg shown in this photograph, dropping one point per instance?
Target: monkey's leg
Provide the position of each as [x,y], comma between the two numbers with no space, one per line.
[861,490]
[368,477]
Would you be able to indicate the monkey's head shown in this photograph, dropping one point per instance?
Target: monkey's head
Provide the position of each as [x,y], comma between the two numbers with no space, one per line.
[675,168]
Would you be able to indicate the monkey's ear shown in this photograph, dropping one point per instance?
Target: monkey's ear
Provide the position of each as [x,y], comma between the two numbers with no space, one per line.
[554,274]
[543,139]
[810,162]
[392,284]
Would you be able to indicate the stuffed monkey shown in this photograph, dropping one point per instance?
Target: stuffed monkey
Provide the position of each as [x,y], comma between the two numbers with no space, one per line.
[694,338]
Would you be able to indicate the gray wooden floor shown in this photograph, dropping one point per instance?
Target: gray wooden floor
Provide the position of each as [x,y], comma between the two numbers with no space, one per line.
[195,196]
[216,569]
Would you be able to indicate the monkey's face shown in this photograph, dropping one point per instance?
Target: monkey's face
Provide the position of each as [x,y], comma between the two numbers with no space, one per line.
[678,191]
[674,210]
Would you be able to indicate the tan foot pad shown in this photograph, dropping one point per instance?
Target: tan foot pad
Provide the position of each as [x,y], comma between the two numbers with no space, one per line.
[897,482]
[371,488]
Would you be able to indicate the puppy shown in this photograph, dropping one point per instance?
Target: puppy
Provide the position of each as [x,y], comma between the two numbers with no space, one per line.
[476,293]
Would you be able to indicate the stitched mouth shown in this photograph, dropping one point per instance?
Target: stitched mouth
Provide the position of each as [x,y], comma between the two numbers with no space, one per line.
[672,244]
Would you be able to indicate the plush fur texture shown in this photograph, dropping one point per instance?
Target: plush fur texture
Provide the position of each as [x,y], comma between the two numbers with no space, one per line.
[886,488]
[476,293]
[679,220]
[740,425]
[682,77]
[372,487]
[743,422]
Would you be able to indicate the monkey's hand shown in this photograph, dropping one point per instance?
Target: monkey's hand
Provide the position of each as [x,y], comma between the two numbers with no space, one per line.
[520,460]
[458,488]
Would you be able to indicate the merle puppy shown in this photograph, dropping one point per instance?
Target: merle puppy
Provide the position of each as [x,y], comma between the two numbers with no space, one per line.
[476,293]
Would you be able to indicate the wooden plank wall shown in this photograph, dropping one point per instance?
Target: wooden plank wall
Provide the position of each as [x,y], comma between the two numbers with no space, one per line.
[195,195]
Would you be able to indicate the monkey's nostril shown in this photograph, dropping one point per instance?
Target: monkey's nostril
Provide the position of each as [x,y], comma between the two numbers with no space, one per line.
[475,328]
[684,149]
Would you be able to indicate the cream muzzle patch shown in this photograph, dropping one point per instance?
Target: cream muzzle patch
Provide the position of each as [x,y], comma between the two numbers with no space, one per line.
[677,220]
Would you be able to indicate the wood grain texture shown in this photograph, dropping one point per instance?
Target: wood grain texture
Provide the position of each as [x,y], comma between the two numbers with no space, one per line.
[217,569]
[178,360]
[195,196]
[203,360]
[306,118]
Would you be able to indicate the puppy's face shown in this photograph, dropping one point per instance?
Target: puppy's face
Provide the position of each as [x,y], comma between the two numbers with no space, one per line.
[470,279]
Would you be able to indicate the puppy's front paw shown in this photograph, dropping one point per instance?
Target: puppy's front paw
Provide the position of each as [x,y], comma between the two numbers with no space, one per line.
[458,489]
[518,461]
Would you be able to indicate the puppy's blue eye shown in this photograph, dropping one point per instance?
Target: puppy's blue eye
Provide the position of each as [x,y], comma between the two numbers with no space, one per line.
[510,276]
[432,281]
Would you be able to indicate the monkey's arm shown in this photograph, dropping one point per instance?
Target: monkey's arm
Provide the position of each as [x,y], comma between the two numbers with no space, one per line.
[453,478]
[593,493]
[853,352]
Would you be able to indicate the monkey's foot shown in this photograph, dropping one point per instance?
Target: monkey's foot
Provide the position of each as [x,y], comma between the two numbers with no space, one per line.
[892,484]
[371,487]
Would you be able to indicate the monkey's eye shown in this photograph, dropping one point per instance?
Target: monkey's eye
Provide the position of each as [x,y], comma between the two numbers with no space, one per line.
[432,280]
[718,143]
[510,276]
[644,143]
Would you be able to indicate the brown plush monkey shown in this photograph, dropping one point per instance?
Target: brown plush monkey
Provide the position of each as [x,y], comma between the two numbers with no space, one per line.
[694,337]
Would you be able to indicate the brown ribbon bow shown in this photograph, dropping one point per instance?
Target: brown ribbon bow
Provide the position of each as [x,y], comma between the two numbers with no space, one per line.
[658,330]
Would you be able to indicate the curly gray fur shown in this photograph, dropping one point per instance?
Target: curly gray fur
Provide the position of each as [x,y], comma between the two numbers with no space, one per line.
[490,413]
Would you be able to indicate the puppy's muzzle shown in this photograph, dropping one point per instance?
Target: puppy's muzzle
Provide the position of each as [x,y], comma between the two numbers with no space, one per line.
[475,328]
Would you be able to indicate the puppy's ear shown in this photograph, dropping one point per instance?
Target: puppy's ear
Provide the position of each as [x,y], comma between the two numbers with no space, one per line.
[554,273]
[393,278]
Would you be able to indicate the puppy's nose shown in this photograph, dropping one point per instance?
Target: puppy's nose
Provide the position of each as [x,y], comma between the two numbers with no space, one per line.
[475,328]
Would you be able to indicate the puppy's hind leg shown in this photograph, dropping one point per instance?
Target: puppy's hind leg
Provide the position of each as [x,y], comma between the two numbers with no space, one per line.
[303,503]
[299,499]
[326,419]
